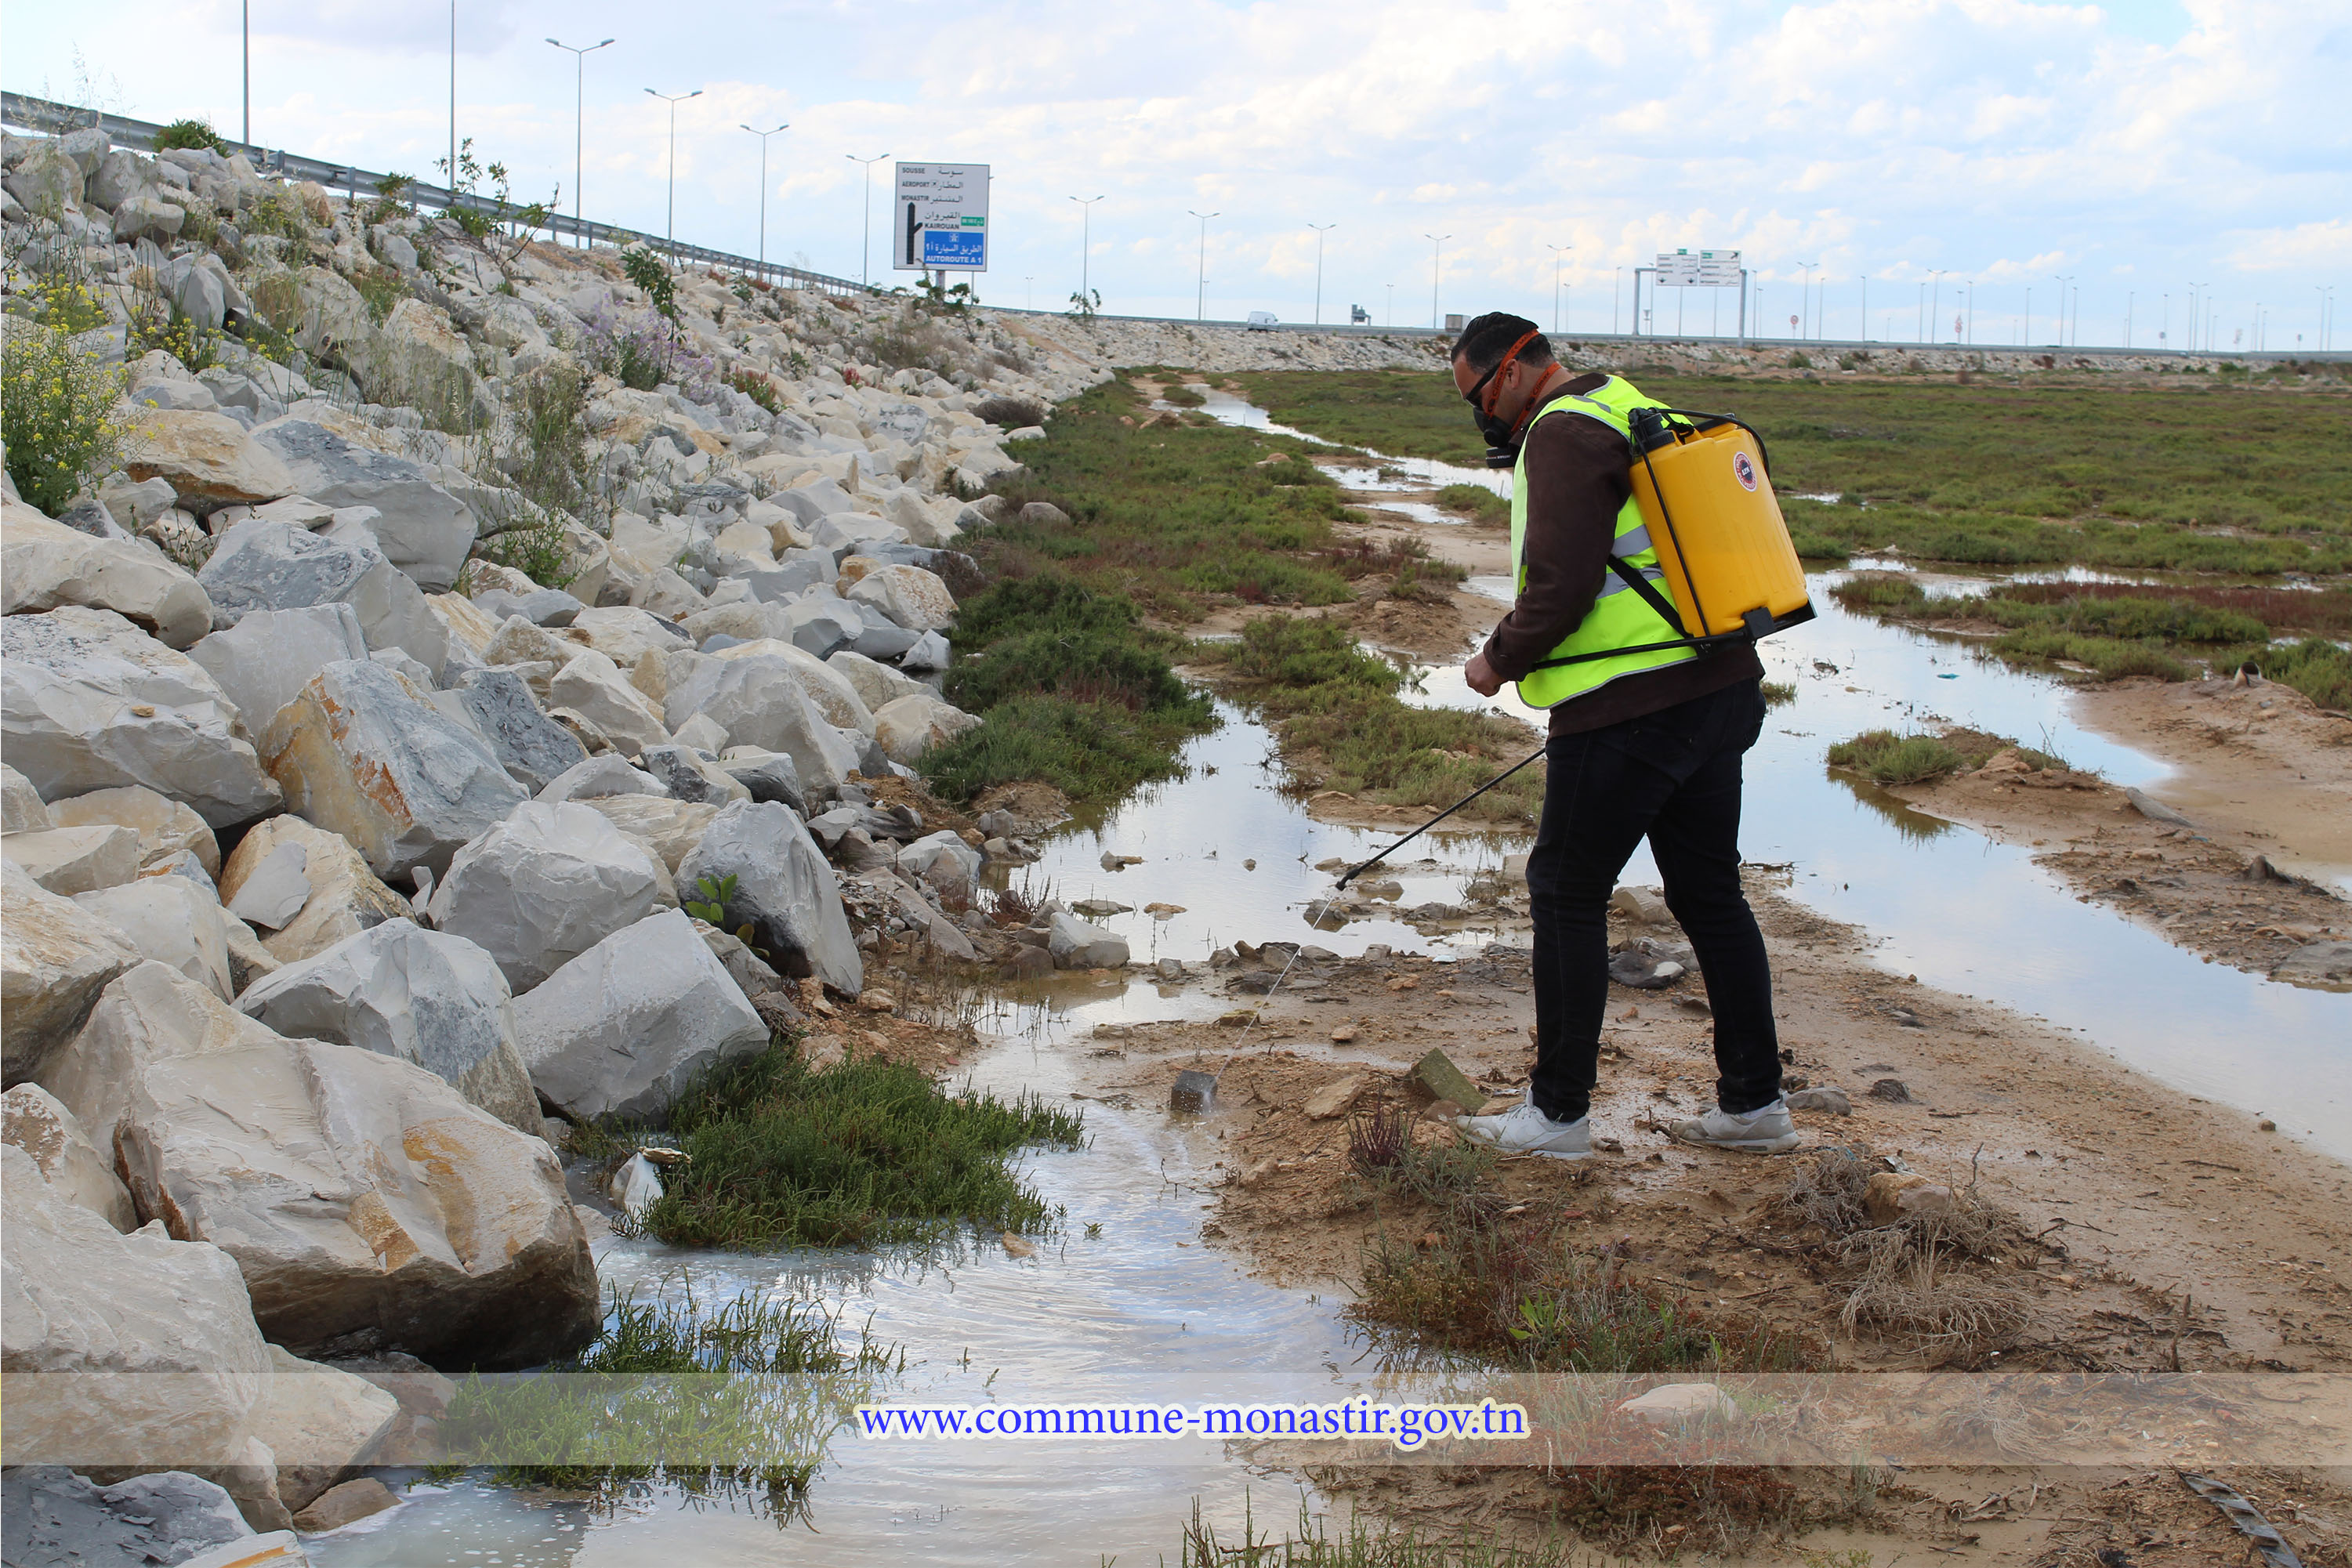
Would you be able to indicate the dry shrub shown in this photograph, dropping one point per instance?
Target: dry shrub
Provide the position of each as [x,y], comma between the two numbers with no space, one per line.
[1011,413]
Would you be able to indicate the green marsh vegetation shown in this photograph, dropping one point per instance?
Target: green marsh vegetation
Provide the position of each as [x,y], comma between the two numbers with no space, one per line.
[859,1154]
[2232,474]
[1884,756]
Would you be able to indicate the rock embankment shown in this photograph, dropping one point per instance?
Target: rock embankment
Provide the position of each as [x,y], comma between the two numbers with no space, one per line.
[459,625]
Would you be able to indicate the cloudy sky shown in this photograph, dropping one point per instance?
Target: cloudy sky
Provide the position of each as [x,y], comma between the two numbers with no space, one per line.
[1981,148]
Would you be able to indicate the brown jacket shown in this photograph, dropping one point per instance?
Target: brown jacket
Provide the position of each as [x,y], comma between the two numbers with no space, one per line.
[1577,479]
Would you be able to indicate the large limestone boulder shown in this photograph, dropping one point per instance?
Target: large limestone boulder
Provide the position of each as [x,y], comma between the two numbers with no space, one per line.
[331,317]
[44,564]
[592,685]
[534,749]
[151,1014]
[261,564]
[669,828]
[419,358]
[783,887]
[32,1119]
[343,896]
[366,1203]
[47,183]
[911,726]
[21,807]
[624,633]
[833,693]
[149,217]
[689,777]
[943,862]
[365,754]
[425,996]
[68,860]
[908,595]
[878,685]
[761,702]
[56,1517]
[421,527]
[621,1029]
[56,959]
[172,921]
[164,827]
[269,655]
[88,702]
[544,886]
[207,458]
[1076,945]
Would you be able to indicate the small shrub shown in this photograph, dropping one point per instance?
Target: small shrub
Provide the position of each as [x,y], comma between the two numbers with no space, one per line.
[650,273]
[65,301]
[1780,694]
[1480,502]
[1183,395]
[56,414]
[756,386]
[1009,412]
[1295,653]
[157,323]
[197,134]
[275,214]
[1798,360]
[1884,758]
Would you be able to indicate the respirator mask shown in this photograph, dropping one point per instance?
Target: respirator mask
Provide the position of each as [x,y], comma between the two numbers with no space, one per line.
[1502,436]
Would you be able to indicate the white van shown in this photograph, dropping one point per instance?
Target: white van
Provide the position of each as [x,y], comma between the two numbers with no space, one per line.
[1261,321]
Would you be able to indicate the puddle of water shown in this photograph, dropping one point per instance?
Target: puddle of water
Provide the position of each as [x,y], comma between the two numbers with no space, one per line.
[1419,512]
[1227,409]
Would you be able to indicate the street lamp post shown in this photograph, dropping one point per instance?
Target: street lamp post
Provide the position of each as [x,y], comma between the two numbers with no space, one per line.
[865,229]
[1390,319]
[1200,298]
[1866,307]
[1320,230]
[1436,250]
[579,124]
[1805,297]
[763,136]
[1086,240]
[453,100]
[673,101]
[1559,252]
[1934,298]
[2063,283]
[2196,316]
[245,34]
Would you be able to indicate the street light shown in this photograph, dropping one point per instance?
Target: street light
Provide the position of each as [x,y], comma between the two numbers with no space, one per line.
[1805,295]
[579,123]
[1201,300]
[245,33]
[1934,298]
[763,136]
[2063,283]
[673,101]
[1086,239]
[1558,251]
[2196,315]
[1436,249]
[1320,230]
[865,229]
[1390,319]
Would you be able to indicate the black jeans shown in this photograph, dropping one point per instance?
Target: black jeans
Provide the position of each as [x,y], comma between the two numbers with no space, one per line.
[1673,776]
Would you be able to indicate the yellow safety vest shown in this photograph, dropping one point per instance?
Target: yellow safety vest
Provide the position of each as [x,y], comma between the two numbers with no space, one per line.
[1620,618]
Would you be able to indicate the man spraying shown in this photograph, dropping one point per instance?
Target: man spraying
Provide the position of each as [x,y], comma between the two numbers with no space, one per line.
[1647,738]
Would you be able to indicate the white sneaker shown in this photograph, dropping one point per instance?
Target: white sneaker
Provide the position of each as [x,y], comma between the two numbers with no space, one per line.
[1764,1131]
[1524,1129]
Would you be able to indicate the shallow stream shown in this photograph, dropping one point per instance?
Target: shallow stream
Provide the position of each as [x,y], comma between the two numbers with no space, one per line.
[1146,1304]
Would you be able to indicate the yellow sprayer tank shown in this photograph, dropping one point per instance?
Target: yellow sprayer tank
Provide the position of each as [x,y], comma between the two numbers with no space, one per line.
[1718,532]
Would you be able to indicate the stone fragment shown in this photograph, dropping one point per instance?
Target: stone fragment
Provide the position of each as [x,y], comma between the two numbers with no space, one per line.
[264,661]
[931,651]
[56,1517]
[910,727]
[364,1201]
[593,686]
[878,685]
[668,828]
[1673,1403]
[345,897]
[89,702]
[47,182]
[147,216]
[689,778]
[761,703]
[621,1029]
[534,749]
[1436,1073]
[944,862]
[908,595]
[173,921]
[822,626]
[768,775]
[365,754]
[44,564]
[521,641]
[701,734]
[152,1013]
[783,888]
[421,527]
[1894,1196]
[21,808]
[345,1504]
[32,1119]
[1642,905]
[1076,945]
[544,886]
[1335,1099]
[56,959]
[208,459]
[2323,966]
[263,565]
[68,860]
[601,776]
[164,827]
[828,691]
[1833,1100]
[428,996]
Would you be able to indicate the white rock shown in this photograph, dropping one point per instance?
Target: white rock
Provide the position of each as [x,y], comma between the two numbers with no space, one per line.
[68,860]
[89,702]
[421,527]
[625,634]
[1076,945]
[44,564]
[521,641]
[427,997]
[832,692]
[151,1014]
[878,685]
[621,1029]
[264,661]
[783,887]
[943,861]
[593,686]
[21,808]
[275,890]
[688,776]
[207,458]
[1671,1404]
[360,1195]
[544,886]
[263,565]
[601,776]
[669,828]
[911,726]
[700,733]
[165,828]
[910,596]
[345,897]
[761,702]
[365,754]
[32,1119]
[172,921]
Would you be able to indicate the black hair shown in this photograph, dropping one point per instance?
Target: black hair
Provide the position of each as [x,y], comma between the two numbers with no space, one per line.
[1488,337]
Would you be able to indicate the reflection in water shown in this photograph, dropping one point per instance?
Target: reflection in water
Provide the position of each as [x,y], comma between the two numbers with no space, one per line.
[1227,409]
[1906,819]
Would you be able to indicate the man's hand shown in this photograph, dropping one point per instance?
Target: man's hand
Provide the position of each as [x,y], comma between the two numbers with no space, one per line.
[1481,675]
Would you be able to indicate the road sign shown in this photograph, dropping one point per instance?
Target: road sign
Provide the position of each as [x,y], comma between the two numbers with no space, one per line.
[1698,269]
[939,217]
